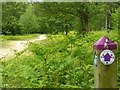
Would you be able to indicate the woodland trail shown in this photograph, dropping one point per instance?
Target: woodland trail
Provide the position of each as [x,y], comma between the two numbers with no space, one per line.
[16,46]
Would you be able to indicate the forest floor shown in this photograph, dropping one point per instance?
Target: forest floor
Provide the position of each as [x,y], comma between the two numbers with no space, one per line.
[12,47]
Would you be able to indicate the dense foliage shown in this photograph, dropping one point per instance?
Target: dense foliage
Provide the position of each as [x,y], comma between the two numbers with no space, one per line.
[54,17]
[58,62]
[11,13]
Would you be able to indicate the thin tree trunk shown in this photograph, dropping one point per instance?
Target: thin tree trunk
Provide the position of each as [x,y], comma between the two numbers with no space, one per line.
[66,32]
[106,22]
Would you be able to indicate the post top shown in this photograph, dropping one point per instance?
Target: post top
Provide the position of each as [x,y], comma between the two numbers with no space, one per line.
[105,43]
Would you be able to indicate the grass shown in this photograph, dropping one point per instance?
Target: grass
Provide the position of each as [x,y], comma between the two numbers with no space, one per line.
[19,37]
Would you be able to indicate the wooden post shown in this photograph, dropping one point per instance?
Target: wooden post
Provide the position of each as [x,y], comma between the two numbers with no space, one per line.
[105,63]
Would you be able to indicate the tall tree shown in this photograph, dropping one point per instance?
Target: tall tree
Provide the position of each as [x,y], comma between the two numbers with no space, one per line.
[11,12]
[29,21]
[80,11]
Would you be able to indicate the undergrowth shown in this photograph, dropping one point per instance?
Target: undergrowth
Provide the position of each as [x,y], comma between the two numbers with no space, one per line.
[58,62]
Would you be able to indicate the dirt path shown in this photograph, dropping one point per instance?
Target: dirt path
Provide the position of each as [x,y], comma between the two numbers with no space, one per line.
[16,46]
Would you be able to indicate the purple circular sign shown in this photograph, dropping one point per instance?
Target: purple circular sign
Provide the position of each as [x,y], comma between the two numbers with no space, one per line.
[107,57]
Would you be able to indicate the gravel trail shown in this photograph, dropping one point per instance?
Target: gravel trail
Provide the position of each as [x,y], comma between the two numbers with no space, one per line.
[16,46]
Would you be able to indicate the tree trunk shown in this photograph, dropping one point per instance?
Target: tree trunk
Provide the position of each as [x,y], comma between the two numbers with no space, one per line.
[107,22]
[109,18]
[85,24]
[66,32]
